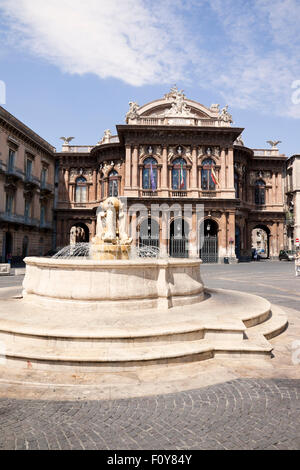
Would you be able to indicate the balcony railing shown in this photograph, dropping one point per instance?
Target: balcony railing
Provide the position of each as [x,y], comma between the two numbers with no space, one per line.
[47,225]
[149,193]
[33,180]
[47,187]
[16,172]
[208,193]
[179,193]
[2,167]
[18,219]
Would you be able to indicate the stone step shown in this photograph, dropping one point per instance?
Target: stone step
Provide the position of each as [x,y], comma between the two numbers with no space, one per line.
[187,351]
[275,324]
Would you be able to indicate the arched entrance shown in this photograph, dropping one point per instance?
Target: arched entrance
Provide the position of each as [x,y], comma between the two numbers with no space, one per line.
[7,246]
[25,246]
[149,233]
[209,241]
[260,240]
[79,233]
[179,239]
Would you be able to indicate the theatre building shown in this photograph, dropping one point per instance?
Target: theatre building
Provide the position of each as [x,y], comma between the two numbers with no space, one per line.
[176,151]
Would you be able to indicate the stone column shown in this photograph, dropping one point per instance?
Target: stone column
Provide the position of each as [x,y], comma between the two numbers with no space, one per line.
[193,249]
[61,182]
[94,184]
[66,185]
[222,181]
[127,170]
[230,173]
[164,172]
[135,167]
[231,237]
[194,173]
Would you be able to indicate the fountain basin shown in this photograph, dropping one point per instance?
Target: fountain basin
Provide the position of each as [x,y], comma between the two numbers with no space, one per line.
[122,284]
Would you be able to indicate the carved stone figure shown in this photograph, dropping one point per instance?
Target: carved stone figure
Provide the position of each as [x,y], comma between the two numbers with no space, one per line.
[133,111]
[239,141]
[225,118]
[215,108]
[106,137]
[111,223]
[179,107]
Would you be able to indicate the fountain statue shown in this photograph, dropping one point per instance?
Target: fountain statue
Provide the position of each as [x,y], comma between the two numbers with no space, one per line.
[111,240]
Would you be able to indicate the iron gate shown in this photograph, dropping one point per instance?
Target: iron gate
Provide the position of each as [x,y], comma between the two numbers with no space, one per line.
[149,241]
[179,247]
[209,250]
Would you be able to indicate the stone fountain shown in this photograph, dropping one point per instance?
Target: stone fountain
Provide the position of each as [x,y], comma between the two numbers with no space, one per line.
[113,312]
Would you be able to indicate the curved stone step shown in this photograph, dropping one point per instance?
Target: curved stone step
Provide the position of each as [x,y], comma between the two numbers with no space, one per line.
[192,351]
[272,327]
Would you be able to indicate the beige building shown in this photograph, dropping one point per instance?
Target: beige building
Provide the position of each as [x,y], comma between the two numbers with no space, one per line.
[27,165]
[175,150]
[292,201]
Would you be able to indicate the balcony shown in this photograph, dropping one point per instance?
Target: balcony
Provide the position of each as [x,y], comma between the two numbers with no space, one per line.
[2,167]
[208,193]
[179,193]
[149,193]
[46,225]
[15,173]
[31,181]
[18,219]
[47,188]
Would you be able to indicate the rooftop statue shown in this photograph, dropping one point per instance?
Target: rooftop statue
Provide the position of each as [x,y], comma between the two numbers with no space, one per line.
[274,143]
[224,117]
[67,140]
[179,107]
[133,111]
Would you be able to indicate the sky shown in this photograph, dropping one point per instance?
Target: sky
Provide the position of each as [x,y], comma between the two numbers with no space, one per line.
[70,67]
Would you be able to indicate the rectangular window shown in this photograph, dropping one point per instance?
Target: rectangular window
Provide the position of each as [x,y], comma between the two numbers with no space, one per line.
[44,177]
[9,204]
[11,159]
[27,209]
[42,218]
[28,168]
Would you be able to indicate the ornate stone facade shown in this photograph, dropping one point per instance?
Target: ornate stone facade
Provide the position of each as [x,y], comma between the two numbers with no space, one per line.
[175,150]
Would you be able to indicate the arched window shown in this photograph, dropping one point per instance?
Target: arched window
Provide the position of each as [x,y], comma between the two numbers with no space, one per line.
[113,184]
[236,185]
[208,175]
[179,174]
[150,174]
[260,192]
[81,190]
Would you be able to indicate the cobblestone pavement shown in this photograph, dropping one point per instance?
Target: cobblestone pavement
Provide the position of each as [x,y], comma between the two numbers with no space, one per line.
[241,414]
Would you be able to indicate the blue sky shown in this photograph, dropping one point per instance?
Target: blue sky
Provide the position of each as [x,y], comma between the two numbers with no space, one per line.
[71,66]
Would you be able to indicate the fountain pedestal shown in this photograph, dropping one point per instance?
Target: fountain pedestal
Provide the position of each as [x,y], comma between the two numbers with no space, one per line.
[101,251]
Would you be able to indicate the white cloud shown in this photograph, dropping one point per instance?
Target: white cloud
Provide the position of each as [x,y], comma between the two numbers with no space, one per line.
[128,40]
[245,50]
